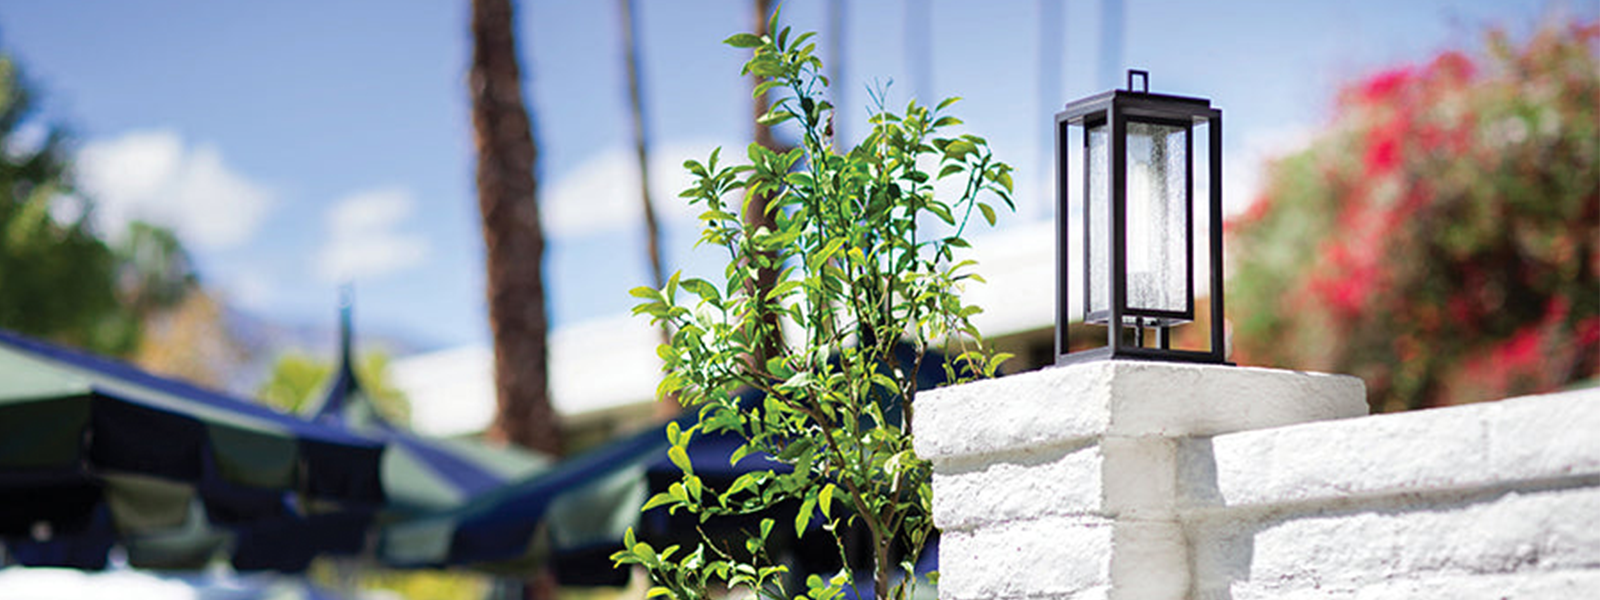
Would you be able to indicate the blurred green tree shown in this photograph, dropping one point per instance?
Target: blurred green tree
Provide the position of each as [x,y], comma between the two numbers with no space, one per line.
[1441,238]
[61,279]
[298,380]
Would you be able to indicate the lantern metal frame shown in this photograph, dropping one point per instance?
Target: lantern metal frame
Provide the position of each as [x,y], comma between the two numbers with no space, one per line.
[1125,325]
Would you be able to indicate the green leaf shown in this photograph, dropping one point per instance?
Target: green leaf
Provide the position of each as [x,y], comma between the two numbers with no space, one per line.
[802,467]
[743,40]
[958,149]
[739,454]
[671,292]
[988,213]
[694,485]
[825,500]
[673,432]
[680,457]
[798,179]
[645,551]
[783,289]
[660,499]
[744,482]
[763,87]
[701,288]
[669,384]
[995,362]
[803,518]
[775,116]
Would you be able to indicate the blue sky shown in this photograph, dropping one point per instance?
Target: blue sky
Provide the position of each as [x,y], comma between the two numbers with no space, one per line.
[297,144]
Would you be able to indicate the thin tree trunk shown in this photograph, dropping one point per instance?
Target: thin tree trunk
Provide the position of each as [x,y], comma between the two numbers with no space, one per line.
[666,407]
[508,201]
[641,143]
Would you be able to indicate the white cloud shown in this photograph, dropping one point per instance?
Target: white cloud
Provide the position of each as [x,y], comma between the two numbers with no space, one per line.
[602,194]
[155,176]
[364,238]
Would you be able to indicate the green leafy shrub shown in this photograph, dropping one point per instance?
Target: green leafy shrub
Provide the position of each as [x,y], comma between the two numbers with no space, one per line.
[865,252]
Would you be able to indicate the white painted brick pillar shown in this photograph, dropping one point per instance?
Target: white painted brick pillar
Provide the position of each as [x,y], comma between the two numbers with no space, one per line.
[1063,483]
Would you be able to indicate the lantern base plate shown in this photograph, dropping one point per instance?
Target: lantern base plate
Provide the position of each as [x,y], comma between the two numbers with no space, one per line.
[1145,354]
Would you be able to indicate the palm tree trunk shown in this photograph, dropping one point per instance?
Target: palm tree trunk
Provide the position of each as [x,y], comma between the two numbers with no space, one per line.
[508,198]
[508,201]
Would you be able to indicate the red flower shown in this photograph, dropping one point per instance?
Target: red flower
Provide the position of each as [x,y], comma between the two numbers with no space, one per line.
[1383,146]
[1383,156]
[1350,280]
[1522,350]
[1386,84]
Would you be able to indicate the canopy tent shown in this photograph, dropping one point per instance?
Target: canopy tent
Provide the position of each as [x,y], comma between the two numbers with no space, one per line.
[419,474]
[95,452]
[433,484]
[573,515]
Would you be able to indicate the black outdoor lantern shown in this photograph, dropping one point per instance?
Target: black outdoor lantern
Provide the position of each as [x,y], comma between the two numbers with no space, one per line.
[1138,155]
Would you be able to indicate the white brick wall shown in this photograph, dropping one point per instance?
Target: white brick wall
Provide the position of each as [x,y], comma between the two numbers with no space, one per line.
[1122,480]
[1064,483]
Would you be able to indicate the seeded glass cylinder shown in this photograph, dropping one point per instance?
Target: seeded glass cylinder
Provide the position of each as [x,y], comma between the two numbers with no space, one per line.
[1157,219]
[1097,174]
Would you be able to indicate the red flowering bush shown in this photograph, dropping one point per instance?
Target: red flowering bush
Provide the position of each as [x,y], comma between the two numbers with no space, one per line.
[1442,238]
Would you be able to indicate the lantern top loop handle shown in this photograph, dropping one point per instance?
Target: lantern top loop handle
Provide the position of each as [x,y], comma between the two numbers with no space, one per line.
[1144,78]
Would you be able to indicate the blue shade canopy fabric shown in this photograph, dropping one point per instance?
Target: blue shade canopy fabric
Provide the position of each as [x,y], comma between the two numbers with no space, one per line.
[95,452]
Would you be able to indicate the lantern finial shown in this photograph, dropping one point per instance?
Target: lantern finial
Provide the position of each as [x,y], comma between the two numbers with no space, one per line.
[1144,78]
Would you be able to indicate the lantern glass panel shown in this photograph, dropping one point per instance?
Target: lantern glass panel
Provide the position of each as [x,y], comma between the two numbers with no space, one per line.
[1097,174]
[1157,217]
